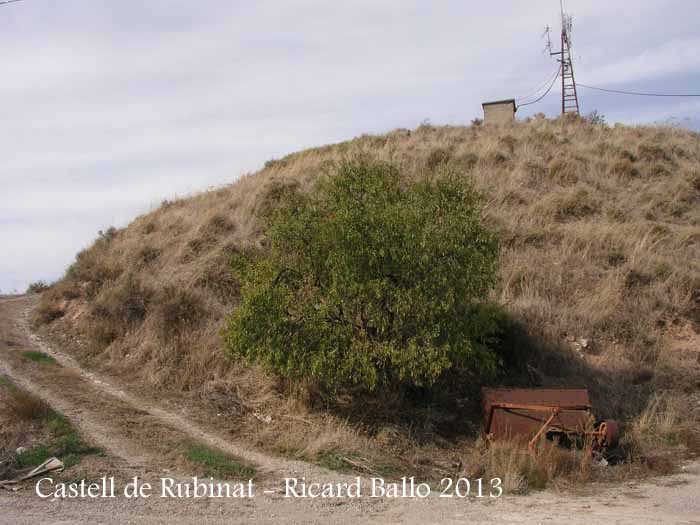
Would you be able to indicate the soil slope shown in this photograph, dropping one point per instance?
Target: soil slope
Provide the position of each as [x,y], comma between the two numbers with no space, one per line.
[600,267]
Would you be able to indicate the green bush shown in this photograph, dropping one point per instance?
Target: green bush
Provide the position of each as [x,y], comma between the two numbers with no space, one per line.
[371,282]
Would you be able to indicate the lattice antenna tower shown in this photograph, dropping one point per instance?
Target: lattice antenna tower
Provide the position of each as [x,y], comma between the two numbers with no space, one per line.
[569,96]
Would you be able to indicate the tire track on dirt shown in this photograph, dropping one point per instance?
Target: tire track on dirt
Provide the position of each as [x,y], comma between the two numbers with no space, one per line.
[88,391]
[139,436]
[132,428]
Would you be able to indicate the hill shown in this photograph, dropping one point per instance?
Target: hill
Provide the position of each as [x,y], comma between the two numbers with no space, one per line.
[600,272]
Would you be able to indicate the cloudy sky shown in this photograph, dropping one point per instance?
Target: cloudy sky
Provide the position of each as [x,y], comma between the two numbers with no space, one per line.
[110,106]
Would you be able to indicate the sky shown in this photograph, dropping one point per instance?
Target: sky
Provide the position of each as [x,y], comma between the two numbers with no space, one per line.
[108,107]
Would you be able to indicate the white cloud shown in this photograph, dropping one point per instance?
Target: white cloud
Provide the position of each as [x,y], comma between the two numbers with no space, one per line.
[677,56]
[109,107]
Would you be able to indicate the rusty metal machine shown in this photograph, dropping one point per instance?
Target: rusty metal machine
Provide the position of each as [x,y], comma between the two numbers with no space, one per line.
[556,413]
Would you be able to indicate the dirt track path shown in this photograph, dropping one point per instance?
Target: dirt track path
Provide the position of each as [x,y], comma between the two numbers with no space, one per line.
[139,435]
[93,386]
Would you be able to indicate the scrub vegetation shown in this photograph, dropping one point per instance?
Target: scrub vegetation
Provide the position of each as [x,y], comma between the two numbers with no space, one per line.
[39,357]
[28,422]
[373,283]
[214,463]
[597,285]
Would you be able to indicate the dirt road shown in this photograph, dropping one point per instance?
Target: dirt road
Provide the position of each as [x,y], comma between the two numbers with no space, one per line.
[139,434]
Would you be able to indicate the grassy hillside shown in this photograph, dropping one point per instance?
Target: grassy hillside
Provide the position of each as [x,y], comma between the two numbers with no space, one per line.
[600,267]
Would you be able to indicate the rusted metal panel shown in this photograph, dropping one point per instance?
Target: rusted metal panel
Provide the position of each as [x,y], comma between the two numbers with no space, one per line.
[549,397]
[512,422]
[610,431]
[512,412]
[532,413]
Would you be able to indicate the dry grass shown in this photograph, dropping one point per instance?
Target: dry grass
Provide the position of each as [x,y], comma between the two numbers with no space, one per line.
[664,433]
[30,422]
[657,425]
[48,311]
[21,421]
[521,471]
[116,309]
[38,287]
[26,407]
[601,240]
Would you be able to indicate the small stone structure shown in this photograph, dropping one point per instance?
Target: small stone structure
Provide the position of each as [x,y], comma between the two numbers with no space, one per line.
[499,111]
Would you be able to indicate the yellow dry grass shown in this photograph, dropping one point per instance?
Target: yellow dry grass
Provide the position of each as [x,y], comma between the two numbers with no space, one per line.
[21,420]
[600,231]
[521,470]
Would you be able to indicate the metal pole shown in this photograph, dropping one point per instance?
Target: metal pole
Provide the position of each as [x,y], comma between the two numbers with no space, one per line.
[563,71]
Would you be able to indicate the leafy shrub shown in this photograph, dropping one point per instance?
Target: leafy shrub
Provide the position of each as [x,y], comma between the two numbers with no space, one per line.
[38,287]
[274,193]
[595,118]
[372,282]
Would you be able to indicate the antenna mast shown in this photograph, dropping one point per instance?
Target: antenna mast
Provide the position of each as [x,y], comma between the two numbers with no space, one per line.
[569,96]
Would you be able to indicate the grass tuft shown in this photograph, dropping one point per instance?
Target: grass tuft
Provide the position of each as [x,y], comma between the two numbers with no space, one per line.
[217,463]
[64,442]
[38,287]
[67,445]
[658,426]
[39,357]
[522,471]
[27,407]
[49,310]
